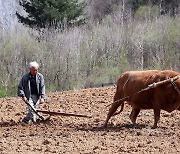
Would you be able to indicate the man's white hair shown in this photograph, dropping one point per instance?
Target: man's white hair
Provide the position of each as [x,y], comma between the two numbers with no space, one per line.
[33,64]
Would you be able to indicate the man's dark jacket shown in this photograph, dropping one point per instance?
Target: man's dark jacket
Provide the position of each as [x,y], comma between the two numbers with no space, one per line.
[24,86]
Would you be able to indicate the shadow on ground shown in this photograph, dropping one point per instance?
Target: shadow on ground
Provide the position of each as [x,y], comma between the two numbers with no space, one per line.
[116,128]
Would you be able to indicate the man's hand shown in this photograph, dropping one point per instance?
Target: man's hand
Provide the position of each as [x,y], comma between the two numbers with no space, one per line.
[24,99]
[42,100]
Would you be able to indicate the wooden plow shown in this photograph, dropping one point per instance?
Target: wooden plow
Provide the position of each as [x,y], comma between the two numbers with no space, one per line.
[151,86]
[53,113]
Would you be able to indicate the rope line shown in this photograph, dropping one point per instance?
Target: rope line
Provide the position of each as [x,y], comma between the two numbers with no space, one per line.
[151,86]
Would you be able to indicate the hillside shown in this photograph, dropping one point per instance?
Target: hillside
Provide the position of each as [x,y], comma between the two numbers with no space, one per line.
[114,39]
[79,135]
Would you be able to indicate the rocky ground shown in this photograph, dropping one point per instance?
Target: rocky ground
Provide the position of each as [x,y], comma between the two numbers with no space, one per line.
[82,135]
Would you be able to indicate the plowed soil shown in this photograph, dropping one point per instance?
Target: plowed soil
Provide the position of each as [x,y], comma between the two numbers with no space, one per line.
[82,135]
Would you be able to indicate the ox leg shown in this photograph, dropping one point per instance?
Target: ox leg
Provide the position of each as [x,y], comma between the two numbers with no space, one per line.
[134,114]
[156,117]
[111,112]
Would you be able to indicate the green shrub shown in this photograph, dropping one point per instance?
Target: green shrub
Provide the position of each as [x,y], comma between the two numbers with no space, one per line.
[3,92]
[147,12]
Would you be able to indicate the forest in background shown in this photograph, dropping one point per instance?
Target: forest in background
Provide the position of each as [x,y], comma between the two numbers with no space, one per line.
[117,37]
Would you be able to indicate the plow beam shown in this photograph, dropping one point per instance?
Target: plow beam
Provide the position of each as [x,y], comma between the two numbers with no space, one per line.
[53,113]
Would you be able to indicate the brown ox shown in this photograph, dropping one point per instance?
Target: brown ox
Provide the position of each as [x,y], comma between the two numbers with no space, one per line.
[165,97]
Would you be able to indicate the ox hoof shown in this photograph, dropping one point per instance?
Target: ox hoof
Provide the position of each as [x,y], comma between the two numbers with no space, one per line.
[104,126]
[154,127]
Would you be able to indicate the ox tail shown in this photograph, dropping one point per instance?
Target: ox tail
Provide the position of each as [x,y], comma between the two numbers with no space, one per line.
[116,100]
[122,108]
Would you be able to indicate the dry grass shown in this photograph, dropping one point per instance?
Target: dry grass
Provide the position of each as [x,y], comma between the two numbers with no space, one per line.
[93,53]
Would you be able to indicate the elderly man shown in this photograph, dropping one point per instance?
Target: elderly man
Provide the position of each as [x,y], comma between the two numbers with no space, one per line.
[32,89]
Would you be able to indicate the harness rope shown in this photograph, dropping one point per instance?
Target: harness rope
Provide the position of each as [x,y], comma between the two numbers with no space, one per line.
[151,86]
[175,86]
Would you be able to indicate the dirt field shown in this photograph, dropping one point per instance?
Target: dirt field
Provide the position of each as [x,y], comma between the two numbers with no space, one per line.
[81,135]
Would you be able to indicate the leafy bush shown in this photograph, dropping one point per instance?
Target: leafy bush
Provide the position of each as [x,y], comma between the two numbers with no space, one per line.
[3,92]
[147,12]
[91,54]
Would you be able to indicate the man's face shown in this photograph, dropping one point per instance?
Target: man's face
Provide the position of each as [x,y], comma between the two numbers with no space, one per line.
[33,71]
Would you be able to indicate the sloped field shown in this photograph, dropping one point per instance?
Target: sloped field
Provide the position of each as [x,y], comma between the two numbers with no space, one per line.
[82,135]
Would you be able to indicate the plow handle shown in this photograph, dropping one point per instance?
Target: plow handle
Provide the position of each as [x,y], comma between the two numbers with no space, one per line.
[42,118]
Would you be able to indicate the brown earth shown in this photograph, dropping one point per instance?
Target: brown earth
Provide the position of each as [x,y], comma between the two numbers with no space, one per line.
[81,135]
